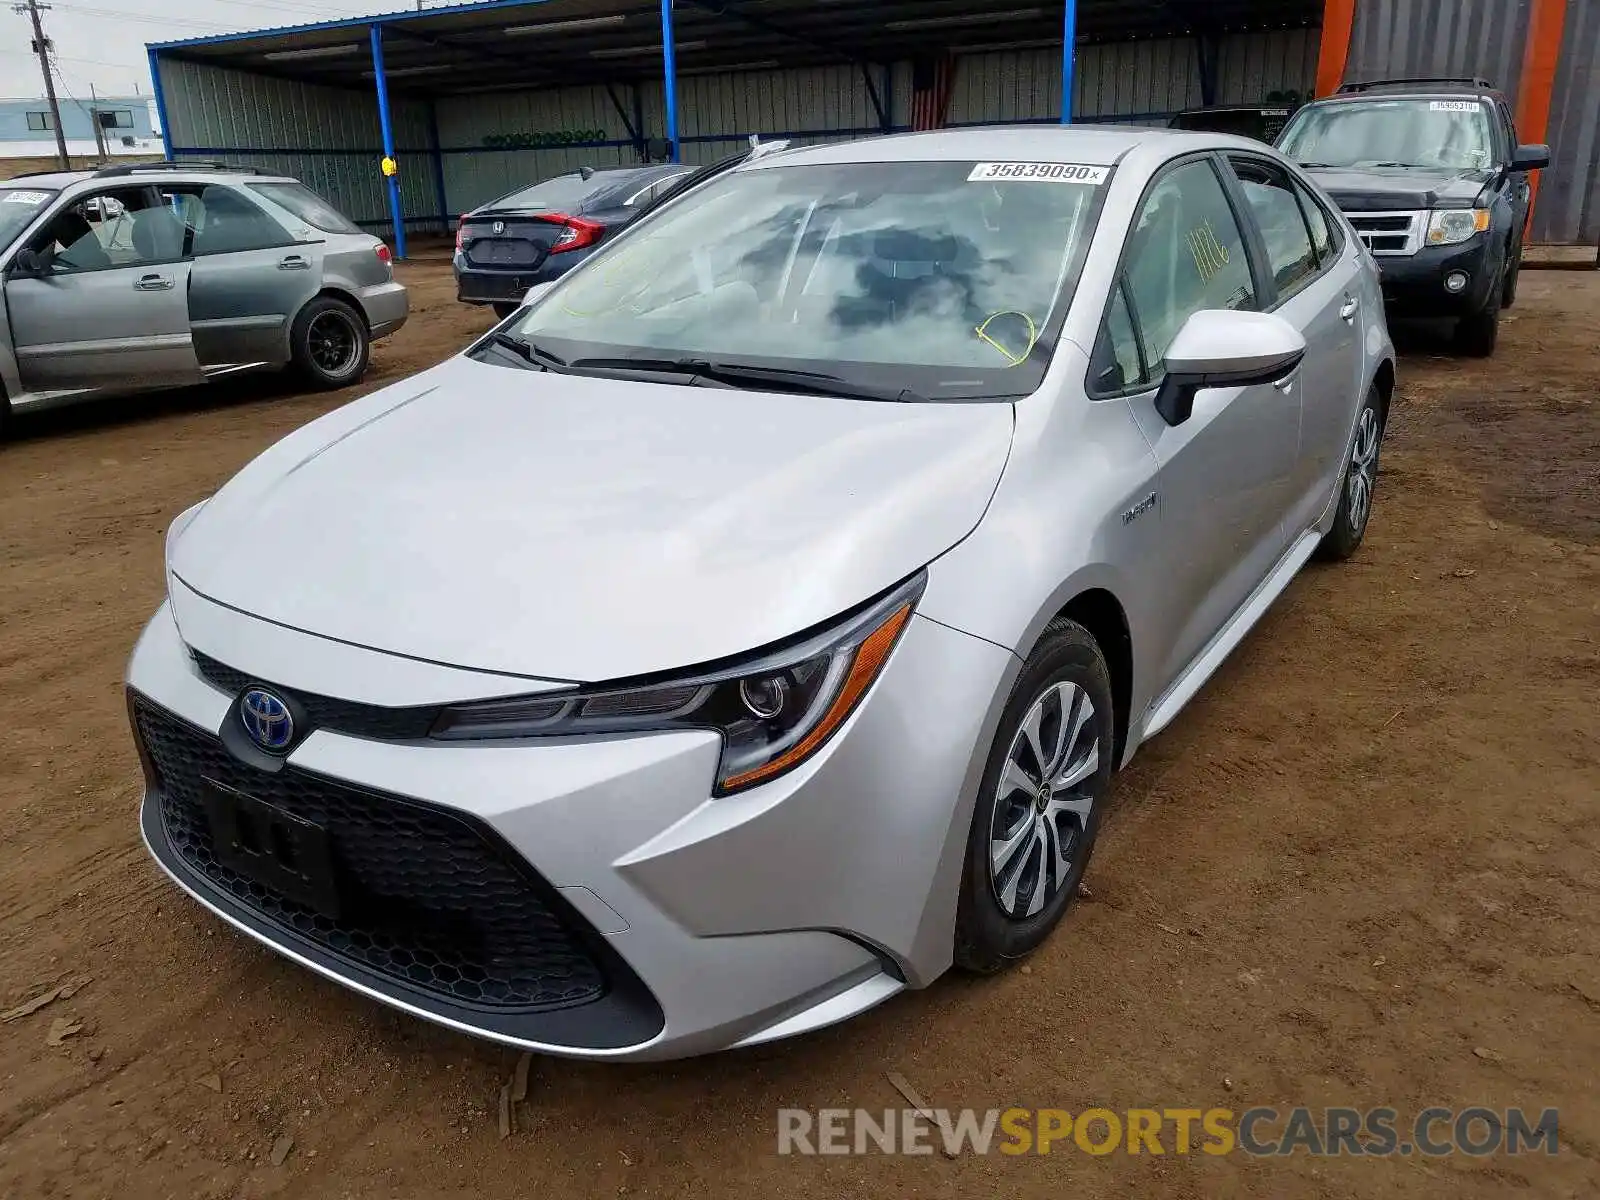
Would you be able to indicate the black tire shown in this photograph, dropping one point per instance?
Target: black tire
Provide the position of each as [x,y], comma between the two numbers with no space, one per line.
[330,343]
[1478,334]
[1508,294]
[988,936]
[504,308]
[1354,515]
[5,415]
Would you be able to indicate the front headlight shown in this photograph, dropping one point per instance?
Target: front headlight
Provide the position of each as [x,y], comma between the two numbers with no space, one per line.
[1449,226]
[773,712]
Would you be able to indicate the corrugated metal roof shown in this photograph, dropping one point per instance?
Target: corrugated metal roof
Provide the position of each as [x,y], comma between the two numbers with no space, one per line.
[501,44]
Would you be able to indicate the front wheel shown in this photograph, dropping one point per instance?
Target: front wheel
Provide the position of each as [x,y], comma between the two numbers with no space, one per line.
[330,344]
[1039,803]
[1359,486]
[1477,335]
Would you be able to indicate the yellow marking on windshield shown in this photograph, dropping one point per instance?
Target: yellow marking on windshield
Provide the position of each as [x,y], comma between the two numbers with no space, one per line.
[1014,359]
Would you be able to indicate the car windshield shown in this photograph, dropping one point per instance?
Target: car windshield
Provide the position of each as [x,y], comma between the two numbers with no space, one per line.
[18,207]
[1447,134]
[308,206]
[948,279]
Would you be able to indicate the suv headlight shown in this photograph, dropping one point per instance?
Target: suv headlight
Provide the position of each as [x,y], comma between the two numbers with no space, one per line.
[773,712]
[1449,226]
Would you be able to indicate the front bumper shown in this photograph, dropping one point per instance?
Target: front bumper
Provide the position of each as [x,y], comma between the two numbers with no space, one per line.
[387,305]
[1413,285]
[712,923]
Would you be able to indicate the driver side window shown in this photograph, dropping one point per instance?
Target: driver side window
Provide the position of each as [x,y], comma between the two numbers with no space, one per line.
[116,228]
[1186,254]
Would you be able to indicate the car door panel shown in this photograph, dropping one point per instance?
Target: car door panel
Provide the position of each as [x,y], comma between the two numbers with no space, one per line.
[125,328]
[242,303]
[1220,482]
[1224,476]
[251,275]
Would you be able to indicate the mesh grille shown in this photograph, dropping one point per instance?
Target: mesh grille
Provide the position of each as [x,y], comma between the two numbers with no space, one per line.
[324,712]
[426,897]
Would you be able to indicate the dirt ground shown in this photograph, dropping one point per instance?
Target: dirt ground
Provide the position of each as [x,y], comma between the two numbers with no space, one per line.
[1361,869]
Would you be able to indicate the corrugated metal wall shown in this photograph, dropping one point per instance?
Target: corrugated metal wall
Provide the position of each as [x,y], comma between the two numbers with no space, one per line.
[327,137]
[1401,38]
[1569,193]
[495,143]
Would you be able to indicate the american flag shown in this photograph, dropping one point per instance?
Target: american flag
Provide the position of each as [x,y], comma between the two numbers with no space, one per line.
[932,80]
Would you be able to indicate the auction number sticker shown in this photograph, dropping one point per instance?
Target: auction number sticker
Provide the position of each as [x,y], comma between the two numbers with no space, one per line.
[25,198]
[1454,106]
[1039,172]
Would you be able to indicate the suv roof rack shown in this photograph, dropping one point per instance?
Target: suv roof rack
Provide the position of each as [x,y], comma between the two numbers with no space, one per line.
[1419,81]
[136,168]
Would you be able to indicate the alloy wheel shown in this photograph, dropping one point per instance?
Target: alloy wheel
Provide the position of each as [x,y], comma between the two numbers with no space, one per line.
[1043,800]
[1363,475]
[334,344]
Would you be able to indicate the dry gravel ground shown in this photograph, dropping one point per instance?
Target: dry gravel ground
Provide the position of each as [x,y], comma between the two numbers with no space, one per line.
[1361,869]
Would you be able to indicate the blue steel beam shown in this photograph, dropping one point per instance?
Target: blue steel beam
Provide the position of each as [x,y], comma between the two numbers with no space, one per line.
[669,62]
[161,103]
[387,126]
[1069,52]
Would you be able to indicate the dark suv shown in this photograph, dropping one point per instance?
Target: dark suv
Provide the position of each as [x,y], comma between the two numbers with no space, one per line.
[1432,176]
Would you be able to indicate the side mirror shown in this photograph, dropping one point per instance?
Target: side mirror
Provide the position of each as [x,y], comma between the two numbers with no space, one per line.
[1530,158]
[30,264]
[1220,348]
[533,293]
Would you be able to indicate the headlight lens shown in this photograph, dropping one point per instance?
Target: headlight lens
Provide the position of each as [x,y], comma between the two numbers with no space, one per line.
[773,712]
[1448,226]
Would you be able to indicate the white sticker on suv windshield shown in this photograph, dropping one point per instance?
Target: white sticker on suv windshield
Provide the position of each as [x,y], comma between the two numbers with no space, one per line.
[1039,172]
[1454,106]
[24,198]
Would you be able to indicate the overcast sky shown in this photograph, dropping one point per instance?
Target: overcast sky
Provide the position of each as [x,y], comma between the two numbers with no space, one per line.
[101,42]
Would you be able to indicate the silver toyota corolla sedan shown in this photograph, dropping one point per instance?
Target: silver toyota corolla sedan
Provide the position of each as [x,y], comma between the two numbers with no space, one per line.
[749,628]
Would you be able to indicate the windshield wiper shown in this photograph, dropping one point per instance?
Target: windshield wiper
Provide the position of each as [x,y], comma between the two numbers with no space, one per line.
[750,375]
[527,351]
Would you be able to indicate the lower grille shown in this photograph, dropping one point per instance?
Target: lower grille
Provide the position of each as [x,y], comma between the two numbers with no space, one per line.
[427,898]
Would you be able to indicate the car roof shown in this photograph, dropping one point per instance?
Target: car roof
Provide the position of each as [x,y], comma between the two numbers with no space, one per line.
[1092,145]
[53,180]
[58,180]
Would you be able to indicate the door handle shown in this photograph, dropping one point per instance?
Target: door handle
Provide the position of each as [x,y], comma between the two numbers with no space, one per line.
[153,283]
[293,263]
[1352,305]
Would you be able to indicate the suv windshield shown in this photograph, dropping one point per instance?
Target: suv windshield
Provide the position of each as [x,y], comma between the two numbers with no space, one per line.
[1448,134]
[18,207]
[948,279]
[308,206]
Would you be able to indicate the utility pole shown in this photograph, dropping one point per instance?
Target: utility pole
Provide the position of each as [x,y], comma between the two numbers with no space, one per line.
[41,47]
[99,129]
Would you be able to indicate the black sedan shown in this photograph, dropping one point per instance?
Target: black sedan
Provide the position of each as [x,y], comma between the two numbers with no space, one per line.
[539,233]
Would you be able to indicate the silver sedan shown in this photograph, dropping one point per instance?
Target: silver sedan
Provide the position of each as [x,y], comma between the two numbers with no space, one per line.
[750,627]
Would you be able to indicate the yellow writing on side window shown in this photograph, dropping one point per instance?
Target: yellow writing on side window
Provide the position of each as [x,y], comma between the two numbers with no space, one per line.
[1210,255]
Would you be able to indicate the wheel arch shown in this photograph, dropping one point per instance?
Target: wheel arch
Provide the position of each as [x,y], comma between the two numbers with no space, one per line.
[1102,614]
[1384,380]
[344,296]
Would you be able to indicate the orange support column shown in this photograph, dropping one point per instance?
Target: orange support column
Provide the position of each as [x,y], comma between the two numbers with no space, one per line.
[1539,65]
[1338,22]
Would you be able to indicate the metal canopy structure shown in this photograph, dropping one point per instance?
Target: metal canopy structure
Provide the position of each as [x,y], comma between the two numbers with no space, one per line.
[502,46]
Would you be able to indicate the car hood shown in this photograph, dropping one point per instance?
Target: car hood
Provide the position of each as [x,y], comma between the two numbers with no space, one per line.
[578,528]
[1389,189]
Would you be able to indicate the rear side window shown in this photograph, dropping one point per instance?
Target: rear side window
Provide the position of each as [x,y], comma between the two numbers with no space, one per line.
[219,220]
[1324,239]
[1283,226]
[308,206]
